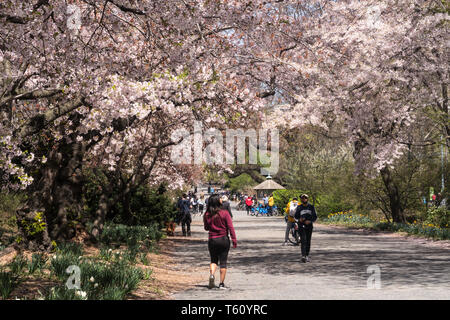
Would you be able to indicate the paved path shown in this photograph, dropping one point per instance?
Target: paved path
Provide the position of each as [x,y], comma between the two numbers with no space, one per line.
[261,268]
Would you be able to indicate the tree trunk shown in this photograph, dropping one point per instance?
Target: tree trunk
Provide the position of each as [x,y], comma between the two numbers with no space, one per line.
[57,193]
[393,195]
[100,217]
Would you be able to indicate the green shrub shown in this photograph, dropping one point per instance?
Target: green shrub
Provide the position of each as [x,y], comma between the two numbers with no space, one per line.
[327,204]
[438,216]
[61,261]
[8,281]
[240,183]
[18,264]
[282,197]
[148,205]
[37,262]
[101,281]
[151,207]
[70,248]
[10,202]
[348,217]
[61,292]
[130,235]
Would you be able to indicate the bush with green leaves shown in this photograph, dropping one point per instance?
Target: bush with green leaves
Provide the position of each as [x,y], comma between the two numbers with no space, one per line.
[101,281]
[18,264]
[70,248]
[427,231]
[130,235]
[8,281]
[147,205]
[282,197]
[9,202]
[37,263]
[61,261]
[240,183]
[326,204]
[438,216]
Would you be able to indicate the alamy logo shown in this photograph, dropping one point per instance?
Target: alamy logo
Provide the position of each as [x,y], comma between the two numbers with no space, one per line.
[374,280]
[190,148]
[73,282]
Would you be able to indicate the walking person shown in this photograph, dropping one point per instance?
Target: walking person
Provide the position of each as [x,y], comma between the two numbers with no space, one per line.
[248,204]
[201,204]
[226,204]
[186,218]
[271,203]
[219,224]
[306,215]
[266,201]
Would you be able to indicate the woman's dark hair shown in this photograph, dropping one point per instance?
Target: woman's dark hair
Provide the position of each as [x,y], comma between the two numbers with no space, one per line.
[214,205]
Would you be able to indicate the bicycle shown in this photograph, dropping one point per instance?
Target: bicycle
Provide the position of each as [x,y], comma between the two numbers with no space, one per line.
[241,206]
[261,210]
[275,211]
[294,234]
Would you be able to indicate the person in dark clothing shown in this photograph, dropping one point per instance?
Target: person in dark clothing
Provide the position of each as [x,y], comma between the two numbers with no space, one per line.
[186,218]
[305,214]
[226,205]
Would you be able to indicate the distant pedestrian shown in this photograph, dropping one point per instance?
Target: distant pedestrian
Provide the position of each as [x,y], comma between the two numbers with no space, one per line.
[271,204]
[219,224]
[226,205]
[248,204]
[201,204]
[186,218]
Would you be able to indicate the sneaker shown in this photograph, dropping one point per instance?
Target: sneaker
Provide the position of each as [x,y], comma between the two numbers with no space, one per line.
[308,259]
[303,259]
[211,282]
[222,287]
[285,243]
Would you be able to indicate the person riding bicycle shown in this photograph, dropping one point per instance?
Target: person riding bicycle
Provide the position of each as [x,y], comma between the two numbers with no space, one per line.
[290,218]
[306,215]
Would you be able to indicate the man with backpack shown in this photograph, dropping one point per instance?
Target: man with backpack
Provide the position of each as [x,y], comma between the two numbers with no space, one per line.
[306,215]
[290,218]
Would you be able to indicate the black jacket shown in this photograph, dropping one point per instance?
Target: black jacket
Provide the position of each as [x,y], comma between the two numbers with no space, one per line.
[226,206]
[307,212]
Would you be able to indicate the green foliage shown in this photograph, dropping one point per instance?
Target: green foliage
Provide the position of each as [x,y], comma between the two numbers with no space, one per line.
[147,205]
[327,204]
[18,264]
[438,216]
[282,197]
[62,293]
[61,261]
[8,281]
[37,262]
[37,225]
[240,183]
[130,235]
[70,248]
[151,206]
[427,230]
[101,281]
[10,202]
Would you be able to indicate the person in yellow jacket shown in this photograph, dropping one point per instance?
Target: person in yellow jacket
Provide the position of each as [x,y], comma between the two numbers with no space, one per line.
[271,203]
[290,212]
